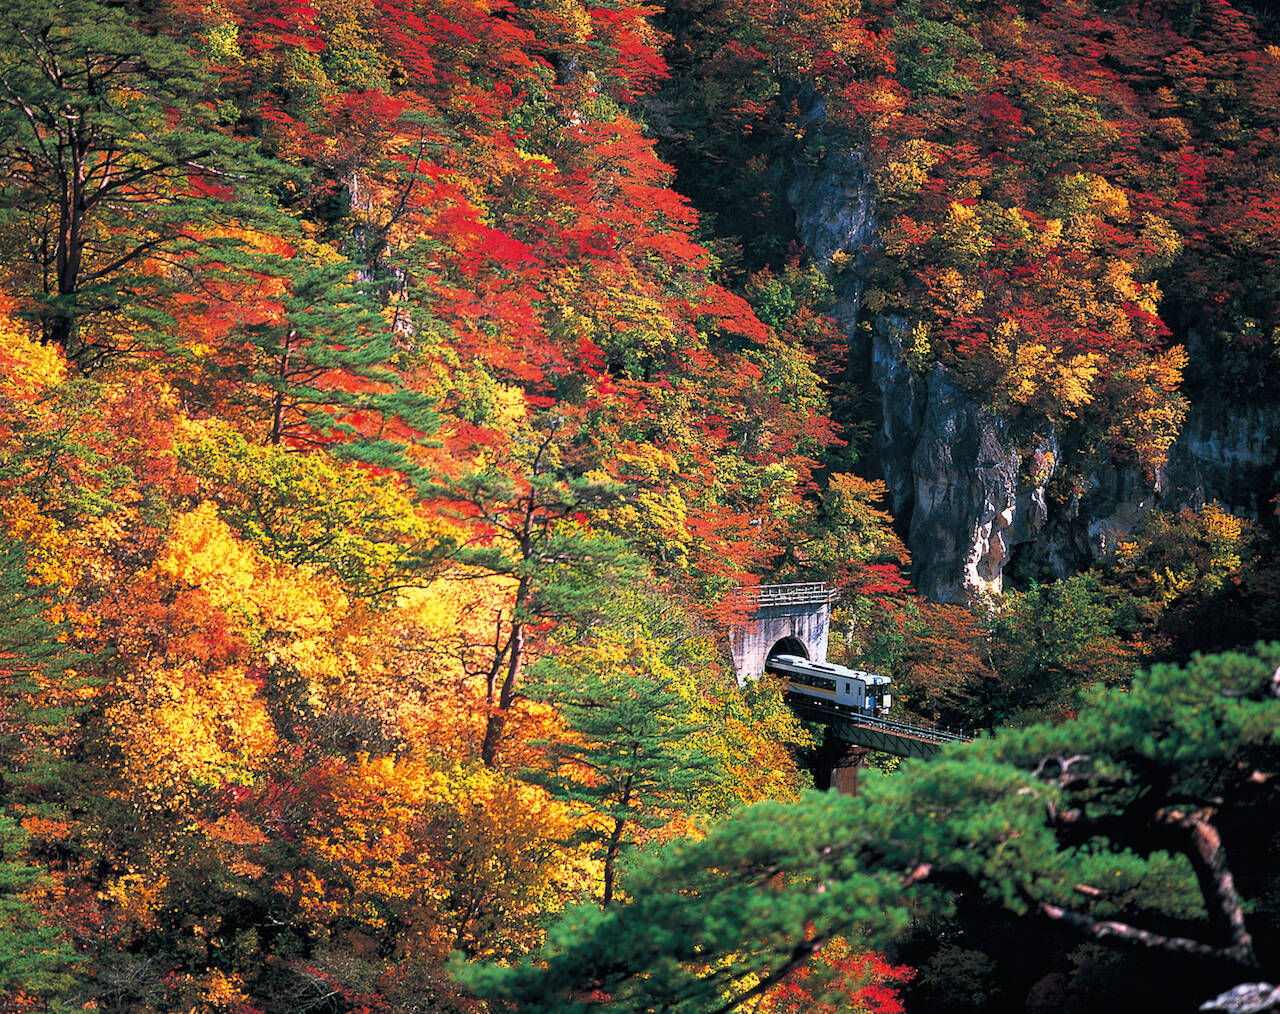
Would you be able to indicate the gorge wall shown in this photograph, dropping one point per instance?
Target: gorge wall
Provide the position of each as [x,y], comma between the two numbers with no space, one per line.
[970,495]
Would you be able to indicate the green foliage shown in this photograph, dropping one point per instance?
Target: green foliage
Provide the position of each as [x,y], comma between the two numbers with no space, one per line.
[329,369]
[1073,822]
[1188,555]
[852,527]
[35,957]
[704,920]
[758,741]
[938,58]
[779,298]
[1053,646]
[631,755]
[1195,580]
[527,508]
[31,653]
[937,655]
[960,978]
[528,502]
[30,646]
[59,455]
[309,510]
[750,732]
[41,677]
[102,176]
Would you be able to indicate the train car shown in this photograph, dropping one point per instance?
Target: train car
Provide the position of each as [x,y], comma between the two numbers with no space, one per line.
[834,687]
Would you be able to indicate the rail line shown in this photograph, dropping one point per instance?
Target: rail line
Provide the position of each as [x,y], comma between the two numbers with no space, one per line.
[899,738]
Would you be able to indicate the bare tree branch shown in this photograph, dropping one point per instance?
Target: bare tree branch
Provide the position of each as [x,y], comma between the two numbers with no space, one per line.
[1111,929]
[1209,859]
[1247,998]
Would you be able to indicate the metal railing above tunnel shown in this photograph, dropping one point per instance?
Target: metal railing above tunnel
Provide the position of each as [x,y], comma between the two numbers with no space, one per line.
[807,593]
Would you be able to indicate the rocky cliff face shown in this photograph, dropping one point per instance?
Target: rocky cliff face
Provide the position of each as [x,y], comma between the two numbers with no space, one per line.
[954,475]
[974,497]
[835,214]
[1230,454]
[968,495]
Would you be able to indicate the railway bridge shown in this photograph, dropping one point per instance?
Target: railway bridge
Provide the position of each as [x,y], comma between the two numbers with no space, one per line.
[795,619]
[880,734]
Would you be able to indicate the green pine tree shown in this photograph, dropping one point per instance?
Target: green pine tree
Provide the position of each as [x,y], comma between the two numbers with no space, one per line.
[330,373]
[1147,824]
[35,957]
[634,761]
[113,154]
[528,507]
[1053,646]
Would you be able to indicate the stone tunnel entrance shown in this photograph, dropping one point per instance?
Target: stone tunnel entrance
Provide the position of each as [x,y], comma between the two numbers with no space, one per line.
[782,619]
[788,646]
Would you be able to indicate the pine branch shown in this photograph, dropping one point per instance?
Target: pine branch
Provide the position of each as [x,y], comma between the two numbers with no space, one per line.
[1217,884]
[1114,930]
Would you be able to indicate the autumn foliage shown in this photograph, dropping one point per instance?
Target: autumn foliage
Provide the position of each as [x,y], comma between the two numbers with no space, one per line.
[387,387]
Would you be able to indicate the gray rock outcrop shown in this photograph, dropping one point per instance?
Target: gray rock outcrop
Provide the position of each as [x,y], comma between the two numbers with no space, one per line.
[970,496]
[955,474]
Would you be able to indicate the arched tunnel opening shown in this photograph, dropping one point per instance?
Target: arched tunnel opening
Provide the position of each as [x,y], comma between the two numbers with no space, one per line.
[788,646]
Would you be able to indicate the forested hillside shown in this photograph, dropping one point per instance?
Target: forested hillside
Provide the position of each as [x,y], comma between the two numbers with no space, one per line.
[395,392]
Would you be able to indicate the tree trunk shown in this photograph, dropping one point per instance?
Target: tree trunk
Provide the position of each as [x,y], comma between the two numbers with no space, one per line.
[497,719]
[611,860]
[277,400]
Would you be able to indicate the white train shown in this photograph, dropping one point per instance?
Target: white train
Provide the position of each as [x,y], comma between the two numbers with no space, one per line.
[833,687]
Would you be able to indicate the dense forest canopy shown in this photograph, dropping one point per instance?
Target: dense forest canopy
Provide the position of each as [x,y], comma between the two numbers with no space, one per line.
[394,392]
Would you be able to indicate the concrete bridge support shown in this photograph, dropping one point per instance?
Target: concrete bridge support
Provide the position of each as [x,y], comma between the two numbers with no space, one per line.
[836,764]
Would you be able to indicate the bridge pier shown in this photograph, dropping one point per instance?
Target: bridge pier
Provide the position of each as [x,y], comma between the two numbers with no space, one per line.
[836,764]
